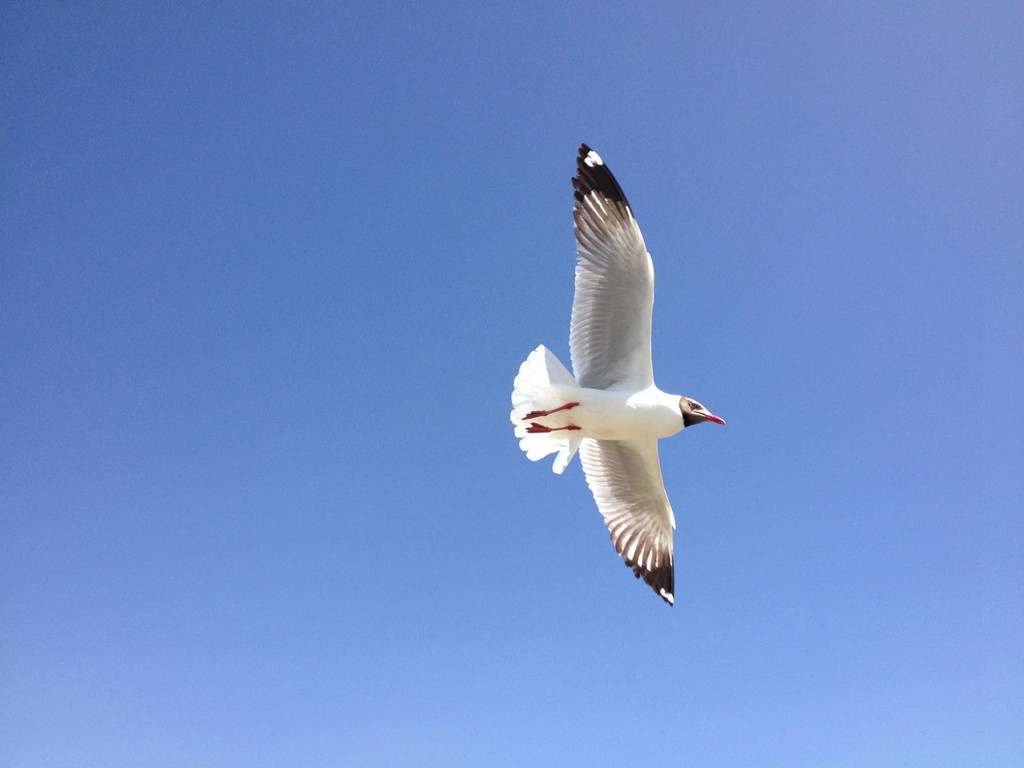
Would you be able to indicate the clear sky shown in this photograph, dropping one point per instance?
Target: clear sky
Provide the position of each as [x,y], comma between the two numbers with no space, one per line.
[268,272]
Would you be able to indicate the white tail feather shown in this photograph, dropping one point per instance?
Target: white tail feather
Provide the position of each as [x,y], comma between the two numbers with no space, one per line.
[543,383]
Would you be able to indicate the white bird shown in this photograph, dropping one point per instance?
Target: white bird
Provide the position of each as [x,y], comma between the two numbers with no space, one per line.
[611,411]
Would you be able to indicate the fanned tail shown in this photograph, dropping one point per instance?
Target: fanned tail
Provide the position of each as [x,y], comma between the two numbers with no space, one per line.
[543,384]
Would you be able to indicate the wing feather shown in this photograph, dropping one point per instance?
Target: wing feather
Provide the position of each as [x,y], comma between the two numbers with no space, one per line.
[610,336]
[625,478]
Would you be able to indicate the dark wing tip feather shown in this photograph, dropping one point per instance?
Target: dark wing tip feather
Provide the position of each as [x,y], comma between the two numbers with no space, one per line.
[661,579]
[592,175]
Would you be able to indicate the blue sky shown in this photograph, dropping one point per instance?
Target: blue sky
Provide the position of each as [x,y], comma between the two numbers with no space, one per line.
[269,270]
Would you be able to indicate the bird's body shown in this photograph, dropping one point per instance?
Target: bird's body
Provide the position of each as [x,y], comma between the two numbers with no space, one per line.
[616,414]
[610,411]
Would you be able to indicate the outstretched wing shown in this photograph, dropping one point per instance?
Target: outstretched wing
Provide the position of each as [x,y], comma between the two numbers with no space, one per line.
[610,337]
[625,478]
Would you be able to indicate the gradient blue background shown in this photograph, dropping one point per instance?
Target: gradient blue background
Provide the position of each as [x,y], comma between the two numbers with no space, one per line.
[268,272]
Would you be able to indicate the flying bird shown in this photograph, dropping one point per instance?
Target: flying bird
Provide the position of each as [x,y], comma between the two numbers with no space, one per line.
[610,411]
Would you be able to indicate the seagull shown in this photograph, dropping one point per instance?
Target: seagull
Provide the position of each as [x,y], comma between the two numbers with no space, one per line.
[610,411]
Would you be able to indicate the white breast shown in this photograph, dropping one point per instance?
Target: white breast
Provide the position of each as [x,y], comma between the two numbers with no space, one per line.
[609,414]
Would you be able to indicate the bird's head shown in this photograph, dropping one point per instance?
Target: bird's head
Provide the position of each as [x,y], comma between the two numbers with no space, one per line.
[694,413]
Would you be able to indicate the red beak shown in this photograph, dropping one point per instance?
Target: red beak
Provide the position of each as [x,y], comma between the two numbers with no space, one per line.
[716,419]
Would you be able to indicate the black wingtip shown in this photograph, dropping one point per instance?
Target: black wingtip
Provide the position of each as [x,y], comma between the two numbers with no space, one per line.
[592,175]
[661,579]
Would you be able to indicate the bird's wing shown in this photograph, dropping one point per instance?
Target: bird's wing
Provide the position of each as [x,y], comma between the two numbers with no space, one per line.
[610,338]
[625,478]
